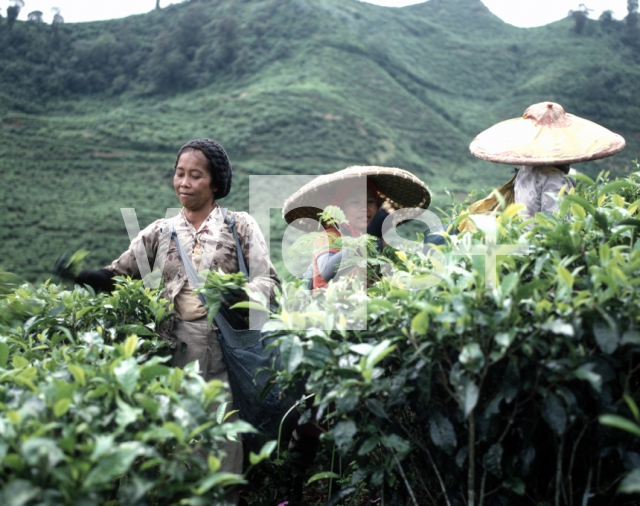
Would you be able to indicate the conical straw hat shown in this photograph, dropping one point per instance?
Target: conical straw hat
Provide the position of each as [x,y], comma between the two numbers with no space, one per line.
[398,187]
[546,135]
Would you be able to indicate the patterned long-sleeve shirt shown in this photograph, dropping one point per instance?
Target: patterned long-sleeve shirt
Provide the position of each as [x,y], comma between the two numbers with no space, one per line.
[216,245]
[537,187]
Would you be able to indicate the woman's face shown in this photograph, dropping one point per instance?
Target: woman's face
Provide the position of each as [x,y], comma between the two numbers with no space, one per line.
[192,180]
[360,208]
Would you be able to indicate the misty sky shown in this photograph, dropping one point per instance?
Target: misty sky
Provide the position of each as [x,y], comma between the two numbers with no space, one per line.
[516,12]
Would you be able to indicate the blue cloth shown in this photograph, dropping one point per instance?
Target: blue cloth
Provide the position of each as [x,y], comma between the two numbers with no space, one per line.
[435,238]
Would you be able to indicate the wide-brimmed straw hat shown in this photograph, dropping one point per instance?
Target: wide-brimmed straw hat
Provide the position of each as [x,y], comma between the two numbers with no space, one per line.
[398,187]
[546,135]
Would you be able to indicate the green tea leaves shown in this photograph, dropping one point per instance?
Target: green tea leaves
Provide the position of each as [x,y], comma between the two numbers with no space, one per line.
[554,413]
[442,432]
[127,374]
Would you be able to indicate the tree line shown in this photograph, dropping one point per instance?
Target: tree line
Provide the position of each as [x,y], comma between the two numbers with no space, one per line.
[172,50]
[630,34]
[13,11]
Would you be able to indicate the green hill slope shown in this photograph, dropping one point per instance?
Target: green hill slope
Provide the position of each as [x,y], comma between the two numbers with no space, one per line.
[92,114]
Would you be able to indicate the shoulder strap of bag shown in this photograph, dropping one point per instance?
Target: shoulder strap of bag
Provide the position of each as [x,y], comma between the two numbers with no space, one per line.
[231,222]
[192,274]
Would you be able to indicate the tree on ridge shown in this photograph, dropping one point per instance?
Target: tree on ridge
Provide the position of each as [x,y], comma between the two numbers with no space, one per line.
[13,11]
[35,17]
[632,22]
[580,16]
[57,18]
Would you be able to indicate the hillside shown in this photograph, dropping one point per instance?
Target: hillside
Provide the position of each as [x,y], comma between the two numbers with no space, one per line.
[92,114]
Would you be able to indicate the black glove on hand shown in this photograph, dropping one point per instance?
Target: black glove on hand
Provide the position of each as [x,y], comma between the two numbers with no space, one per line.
[63,267]
[100,281]
[67,267]
[374,227]
[234,296]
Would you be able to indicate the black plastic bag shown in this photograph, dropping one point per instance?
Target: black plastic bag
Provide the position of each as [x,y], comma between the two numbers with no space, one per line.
[245,353]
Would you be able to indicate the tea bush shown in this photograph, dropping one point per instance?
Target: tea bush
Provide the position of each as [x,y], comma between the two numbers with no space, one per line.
[90,412]
[464,393]
[460,393]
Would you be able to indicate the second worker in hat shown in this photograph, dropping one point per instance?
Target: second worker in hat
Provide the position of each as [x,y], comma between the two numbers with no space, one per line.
[544,142]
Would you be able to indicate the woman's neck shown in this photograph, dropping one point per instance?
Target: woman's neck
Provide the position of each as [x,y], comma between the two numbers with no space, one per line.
[196,217]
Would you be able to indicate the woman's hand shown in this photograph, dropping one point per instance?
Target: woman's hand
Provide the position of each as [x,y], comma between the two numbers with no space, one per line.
[223,288]
[62,267]
[68,267]
[231,297]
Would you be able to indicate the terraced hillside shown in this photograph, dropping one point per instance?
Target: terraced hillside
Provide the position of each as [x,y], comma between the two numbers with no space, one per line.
[92,114]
